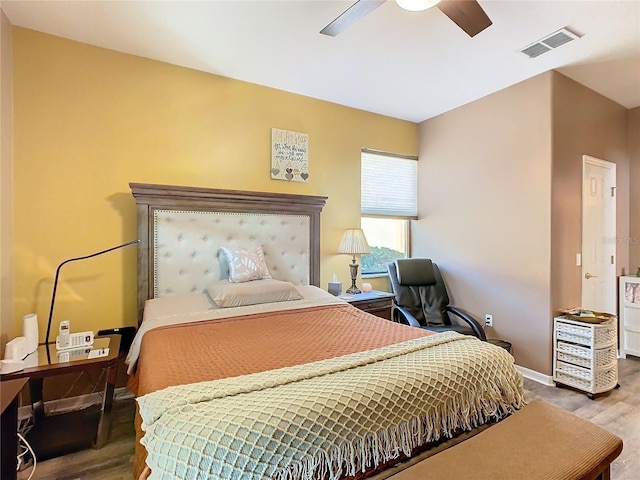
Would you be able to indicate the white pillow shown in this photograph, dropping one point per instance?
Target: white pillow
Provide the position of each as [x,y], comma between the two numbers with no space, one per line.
[246,264]
[226,294]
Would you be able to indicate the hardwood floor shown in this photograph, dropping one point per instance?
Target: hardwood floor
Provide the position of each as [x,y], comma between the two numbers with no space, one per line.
[618,411]
[114,461]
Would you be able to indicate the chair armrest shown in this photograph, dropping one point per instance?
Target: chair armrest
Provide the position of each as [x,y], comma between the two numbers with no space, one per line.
[472,322]
[404,313]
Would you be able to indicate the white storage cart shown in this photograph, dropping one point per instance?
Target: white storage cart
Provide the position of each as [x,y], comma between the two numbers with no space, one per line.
[585,355]
[629,316]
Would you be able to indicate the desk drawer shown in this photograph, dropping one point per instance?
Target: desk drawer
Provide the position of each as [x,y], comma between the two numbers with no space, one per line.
[379,307]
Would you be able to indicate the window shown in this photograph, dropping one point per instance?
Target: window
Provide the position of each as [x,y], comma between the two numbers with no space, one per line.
[388,240]
[388,202]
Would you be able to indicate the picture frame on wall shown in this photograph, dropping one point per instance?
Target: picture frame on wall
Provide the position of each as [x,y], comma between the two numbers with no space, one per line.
[289,156]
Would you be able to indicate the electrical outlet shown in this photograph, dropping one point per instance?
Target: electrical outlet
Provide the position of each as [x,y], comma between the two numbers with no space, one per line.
[488,320]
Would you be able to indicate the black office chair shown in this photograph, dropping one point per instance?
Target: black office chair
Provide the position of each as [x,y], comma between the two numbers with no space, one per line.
[421,298]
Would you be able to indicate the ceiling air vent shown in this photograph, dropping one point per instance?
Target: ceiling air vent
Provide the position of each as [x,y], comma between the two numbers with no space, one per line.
[548,43]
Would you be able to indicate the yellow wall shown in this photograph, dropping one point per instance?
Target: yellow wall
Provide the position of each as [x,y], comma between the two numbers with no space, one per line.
[88,121]
[6,189]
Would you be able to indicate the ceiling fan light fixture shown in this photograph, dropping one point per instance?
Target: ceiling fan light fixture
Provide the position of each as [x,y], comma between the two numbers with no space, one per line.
[416,5]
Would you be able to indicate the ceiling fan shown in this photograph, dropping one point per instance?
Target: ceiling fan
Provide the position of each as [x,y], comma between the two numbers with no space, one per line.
[467,14]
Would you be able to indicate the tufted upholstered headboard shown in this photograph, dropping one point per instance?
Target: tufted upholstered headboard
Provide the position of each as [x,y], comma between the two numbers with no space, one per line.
[181,229]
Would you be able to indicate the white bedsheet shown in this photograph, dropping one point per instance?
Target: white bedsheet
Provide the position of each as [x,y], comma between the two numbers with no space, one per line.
[196,307]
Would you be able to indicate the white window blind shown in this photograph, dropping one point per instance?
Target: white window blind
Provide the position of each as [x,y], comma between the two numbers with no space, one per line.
[389,185]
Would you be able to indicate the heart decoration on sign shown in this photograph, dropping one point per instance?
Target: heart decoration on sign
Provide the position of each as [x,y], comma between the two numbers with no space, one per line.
[288,175]
[304,176]
[274,172]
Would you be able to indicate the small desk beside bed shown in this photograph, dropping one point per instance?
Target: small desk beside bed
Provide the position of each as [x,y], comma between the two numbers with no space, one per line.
[269,376]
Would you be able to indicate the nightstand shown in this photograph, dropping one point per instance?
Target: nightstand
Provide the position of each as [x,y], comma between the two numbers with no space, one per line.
[54,435]
[374,302]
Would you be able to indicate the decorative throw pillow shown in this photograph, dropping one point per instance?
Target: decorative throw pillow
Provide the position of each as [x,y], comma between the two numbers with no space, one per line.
[226,294]
[246,264]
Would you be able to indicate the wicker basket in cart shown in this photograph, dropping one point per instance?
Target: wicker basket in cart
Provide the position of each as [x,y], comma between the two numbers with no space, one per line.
[579,316]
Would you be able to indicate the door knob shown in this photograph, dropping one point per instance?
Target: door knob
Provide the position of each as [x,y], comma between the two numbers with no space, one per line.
[588,276]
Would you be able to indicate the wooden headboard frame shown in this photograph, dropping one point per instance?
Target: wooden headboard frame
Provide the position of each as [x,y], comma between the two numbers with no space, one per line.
[150,197]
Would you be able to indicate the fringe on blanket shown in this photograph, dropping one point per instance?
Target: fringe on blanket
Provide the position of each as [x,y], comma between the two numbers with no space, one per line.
[380,447]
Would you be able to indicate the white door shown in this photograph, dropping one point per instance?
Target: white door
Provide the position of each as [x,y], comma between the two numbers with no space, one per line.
[598,235]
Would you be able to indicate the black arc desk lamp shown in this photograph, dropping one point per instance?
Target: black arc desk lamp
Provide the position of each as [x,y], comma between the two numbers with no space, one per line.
[55,282]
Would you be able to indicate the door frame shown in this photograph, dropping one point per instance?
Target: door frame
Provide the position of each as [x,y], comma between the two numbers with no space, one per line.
[611,282]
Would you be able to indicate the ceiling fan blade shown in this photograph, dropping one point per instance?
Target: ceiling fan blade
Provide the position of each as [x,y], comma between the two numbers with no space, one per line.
[350,16]
[467,14]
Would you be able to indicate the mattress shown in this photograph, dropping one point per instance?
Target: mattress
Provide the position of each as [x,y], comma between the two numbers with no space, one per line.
[186,341]
[196,307]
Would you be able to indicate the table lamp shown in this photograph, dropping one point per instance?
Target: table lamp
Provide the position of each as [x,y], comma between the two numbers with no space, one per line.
[55,282]
[354,243]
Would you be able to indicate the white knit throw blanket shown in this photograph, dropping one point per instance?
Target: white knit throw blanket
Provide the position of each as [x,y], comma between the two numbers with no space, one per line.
[328,419]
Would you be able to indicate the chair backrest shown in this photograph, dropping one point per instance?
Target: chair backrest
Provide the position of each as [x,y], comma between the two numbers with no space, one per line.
[418,286]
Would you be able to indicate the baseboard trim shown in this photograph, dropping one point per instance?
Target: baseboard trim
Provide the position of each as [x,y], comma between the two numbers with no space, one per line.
[536,376]
[74,403]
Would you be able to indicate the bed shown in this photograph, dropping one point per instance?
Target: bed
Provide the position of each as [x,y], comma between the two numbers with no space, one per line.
[269,376]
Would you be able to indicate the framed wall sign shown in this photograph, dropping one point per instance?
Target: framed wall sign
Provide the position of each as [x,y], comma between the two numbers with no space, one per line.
[289,156]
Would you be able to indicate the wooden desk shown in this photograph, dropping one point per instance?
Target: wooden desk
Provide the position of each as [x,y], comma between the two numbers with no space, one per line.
[54,435]
[9,391]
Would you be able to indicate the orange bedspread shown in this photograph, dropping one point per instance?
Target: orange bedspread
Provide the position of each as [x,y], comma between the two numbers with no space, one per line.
[236,346]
